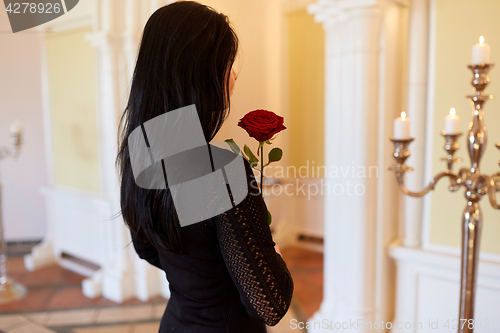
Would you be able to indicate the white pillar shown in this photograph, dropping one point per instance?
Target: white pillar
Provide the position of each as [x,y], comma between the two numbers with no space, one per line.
[125,275]
[360,211]
[417,109]
[115,280]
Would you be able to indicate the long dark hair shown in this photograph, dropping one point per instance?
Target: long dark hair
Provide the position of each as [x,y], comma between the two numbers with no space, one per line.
[185,57]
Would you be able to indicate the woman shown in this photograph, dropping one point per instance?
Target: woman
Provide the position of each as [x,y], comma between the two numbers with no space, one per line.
[224,273]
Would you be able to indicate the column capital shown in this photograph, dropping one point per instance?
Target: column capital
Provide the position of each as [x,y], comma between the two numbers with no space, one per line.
[327,10]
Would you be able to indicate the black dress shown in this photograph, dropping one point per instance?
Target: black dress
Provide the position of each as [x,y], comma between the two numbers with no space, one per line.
[232,280]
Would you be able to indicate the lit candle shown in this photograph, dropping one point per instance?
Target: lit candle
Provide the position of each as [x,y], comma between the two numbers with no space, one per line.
[452,123]
[16,128]
[402,127]
[480,52]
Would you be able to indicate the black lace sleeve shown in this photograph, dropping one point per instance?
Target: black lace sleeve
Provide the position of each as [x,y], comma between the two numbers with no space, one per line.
[258,271]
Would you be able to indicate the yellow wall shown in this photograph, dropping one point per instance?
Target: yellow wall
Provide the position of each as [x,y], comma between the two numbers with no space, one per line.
[72,91]
[459,23]
[306,90]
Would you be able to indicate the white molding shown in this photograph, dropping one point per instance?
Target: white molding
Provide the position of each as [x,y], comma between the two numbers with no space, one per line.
[489,269]
[456,251]
[42,254]
[84,207]
[309,246]
[77,268]
[292,239]
[87,215]
[429,139]
[415,266]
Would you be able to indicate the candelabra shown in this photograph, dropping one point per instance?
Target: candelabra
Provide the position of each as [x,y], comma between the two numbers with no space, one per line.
[476,186]
[9,289]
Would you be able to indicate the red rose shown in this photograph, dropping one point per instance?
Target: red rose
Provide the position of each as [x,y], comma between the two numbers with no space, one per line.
[262,124]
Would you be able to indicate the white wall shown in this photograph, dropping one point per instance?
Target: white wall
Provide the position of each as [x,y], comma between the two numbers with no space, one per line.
[259,25]
[451,85]
[20,98]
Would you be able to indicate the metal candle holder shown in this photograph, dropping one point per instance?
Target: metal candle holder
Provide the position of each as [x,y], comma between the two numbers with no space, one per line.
[9,289]
[476,185]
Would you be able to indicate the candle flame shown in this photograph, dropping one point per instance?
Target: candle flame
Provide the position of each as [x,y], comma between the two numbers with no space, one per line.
[481,39]
[453,111]
[403,114]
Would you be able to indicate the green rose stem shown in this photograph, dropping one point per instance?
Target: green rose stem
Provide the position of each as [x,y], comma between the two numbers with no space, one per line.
[261,144]
[261,166]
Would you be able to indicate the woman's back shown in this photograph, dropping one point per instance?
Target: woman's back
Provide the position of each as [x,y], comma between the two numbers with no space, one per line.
[229,277]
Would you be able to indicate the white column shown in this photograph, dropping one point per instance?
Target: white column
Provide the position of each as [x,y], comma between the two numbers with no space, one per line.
[417,105]
[115,280]
[359,215]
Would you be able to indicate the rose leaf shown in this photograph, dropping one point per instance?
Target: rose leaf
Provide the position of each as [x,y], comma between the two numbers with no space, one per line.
[250,154]
[275,155]
[236,149]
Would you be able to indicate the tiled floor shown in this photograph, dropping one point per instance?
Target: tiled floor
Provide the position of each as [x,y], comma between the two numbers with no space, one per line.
[55,302]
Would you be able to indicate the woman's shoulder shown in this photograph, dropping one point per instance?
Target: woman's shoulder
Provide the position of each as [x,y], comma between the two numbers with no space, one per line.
[238,172]
[222,155]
